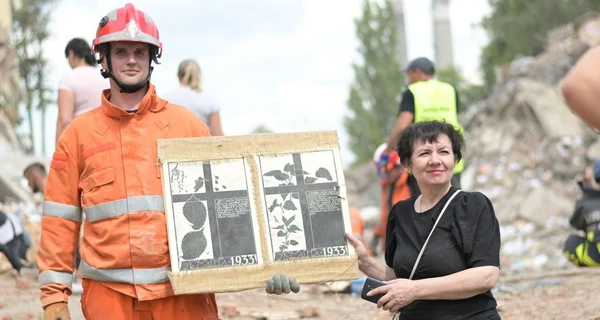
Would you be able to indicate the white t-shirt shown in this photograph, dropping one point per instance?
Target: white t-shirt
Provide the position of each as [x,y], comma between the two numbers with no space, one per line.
[198,102]
[7,233]
[86,83]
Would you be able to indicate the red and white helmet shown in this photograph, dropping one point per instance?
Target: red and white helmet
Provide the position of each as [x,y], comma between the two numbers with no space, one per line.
[127,24]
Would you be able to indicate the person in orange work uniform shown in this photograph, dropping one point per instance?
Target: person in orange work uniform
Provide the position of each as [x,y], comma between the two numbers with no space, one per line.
[394,187]
[105,165]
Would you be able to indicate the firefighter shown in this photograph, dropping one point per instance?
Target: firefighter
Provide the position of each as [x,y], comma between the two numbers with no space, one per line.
[584,251]
[105,165]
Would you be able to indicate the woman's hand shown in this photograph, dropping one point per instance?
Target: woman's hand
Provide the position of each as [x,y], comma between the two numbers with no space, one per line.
[398,293]
[367,264]
[359,247]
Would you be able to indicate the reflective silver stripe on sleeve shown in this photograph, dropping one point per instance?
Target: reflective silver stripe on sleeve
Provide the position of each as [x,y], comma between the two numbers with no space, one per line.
[50,276]
[60,210]
[124,206]
[131,276]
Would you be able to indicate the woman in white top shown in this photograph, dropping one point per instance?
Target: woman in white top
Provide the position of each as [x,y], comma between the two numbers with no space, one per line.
[189,95]
[80,90]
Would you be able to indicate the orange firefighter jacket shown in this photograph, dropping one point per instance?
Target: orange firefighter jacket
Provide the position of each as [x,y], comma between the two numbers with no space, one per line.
[106,165]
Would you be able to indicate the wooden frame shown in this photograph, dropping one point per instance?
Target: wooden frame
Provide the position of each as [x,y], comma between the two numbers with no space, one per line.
[243,208]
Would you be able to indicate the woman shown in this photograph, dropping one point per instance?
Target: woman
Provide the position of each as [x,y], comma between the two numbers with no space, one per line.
[80,90]
[189,94]
[460,264]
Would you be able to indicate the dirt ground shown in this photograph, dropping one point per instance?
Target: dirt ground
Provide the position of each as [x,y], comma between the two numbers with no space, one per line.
[566,294]
[555,295]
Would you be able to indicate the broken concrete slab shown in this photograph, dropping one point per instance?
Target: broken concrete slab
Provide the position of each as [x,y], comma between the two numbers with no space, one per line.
[549,108]
[14,161]
[541,204]
[495,141]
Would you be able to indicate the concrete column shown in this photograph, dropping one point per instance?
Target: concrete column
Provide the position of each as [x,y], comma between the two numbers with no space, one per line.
[401,49]
[442,34]
[5,21]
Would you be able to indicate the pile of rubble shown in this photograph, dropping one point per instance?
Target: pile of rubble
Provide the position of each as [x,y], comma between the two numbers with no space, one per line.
[526,150]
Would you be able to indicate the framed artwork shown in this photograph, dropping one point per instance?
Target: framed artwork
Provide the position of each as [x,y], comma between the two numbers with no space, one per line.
[243,208]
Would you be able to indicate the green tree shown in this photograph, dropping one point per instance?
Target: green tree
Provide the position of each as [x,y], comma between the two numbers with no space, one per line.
[30,31]
[519,28]
[469,93]
[378,82]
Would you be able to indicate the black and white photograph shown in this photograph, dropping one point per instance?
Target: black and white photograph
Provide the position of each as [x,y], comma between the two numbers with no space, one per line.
[212,221]
[304,211]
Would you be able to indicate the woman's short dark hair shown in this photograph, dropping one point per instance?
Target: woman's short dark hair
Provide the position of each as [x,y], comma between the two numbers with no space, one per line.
[429,131]
[80,49]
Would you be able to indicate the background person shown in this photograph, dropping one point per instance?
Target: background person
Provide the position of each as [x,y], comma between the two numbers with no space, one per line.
[460,265]
[190,95]
[80,90]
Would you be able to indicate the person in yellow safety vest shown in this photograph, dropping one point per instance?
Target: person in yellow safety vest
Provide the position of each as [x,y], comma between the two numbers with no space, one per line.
[426,98]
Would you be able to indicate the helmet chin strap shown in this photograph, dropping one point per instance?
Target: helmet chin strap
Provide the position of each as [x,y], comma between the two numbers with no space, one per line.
[125,88]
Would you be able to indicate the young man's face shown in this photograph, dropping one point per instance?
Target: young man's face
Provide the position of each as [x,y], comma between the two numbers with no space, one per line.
[130,61]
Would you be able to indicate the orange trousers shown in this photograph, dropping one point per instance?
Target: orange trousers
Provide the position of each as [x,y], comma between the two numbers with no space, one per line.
[98,302]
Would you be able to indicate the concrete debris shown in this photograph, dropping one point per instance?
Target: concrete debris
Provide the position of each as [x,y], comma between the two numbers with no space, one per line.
[541,204]
[14,161]
[362,186]
[589,30]
[526,151]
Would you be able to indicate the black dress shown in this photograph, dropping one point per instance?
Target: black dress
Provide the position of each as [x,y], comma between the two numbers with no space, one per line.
[467,236]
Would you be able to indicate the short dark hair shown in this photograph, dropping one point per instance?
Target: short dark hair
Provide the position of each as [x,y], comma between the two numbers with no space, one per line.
[422,63]
[428,131]
[37,166]
[80,49]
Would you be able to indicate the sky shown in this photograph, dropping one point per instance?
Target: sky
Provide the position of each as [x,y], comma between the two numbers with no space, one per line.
[285,64]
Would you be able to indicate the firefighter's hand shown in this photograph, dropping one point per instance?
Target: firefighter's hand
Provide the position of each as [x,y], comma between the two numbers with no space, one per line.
[280,283]
[57,311]
[382,164]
